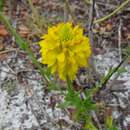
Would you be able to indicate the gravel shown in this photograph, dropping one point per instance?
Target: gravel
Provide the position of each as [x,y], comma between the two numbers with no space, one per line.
[28,105]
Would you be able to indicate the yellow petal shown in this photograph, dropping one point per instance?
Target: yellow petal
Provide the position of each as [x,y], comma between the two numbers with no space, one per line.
[61,57]
[53,68]
[64,49]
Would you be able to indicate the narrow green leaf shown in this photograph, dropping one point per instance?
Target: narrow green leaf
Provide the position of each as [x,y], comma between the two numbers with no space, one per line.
[1,5]
[25,46]
[109,122]
[121,70]
[90,126]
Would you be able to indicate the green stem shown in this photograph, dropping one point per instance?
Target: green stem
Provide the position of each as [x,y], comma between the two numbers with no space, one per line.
[112,13]
[109,75]
[1,5]
[69,84]
[24,45]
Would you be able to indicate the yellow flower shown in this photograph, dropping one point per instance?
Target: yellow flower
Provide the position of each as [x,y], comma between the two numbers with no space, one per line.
[64,49]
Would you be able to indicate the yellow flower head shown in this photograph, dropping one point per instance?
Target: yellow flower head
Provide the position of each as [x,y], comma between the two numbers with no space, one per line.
[64,49]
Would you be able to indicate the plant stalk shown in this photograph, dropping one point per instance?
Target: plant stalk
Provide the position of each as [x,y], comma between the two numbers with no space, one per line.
[112,13]
[24,46]
[109,75]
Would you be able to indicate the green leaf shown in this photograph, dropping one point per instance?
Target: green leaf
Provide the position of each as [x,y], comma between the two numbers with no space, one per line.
[121,70]
[128,50]
[115,128]
[64,105]
[1,5]
[109,122]
[90,126]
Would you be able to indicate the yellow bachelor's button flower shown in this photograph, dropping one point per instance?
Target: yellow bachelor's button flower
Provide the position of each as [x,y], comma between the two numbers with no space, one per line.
[64,49]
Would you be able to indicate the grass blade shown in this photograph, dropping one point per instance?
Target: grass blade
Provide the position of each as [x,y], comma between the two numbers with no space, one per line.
[24,46]
[1,5]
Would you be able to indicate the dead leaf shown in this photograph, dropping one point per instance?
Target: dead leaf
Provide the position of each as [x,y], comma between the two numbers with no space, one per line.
[117,85]
[1,47]
[23,30]
[3,56]
[71,112]
[24,13]
[3,31]
[128,36]
[35,1]
[109,27]
[102,30]
[98,51]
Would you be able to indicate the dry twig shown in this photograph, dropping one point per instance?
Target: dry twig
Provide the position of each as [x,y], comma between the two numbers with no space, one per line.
[112,13]
[119,40]
[70,11]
